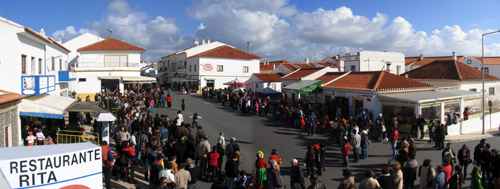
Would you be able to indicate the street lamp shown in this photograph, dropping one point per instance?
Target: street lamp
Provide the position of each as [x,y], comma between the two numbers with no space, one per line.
[482,69]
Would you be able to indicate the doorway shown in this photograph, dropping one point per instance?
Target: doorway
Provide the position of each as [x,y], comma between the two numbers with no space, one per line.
[110,85]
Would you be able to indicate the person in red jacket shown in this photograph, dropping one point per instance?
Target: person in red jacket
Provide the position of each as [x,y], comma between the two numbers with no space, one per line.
[128,153]
[346,148]
[169,101]
[393,139]
[261,166]
[213,158]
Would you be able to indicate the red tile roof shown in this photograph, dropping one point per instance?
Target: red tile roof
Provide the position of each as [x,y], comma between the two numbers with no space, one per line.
[376,81]
[26,29]
[7,96]
[268,77]
[289,66]
[227,52]
[330,76]
[488,60]
[110,44]
[264,66]
[301,73]
[426,60]
[448,70]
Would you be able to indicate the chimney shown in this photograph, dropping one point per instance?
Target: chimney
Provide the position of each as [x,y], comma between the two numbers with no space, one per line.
[306,60]
[196,42]
[42,32]
[208,40]
[202,41]
[341,65]
[421,56]
[59,40]
[454,55]
[274,66]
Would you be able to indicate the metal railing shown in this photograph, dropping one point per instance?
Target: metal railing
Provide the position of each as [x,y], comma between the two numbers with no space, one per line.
[67,137]
[107,64]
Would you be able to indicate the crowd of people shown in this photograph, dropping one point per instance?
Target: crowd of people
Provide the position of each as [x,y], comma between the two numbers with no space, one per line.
[173,155]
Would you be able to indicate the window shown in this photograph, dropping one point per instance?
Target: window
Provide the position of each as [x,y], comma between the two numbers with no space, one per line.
[473,90]
[115,61]
[256,85]
[33,67]
[492,90]
[487,70]
[82,79]
[245,69]
[194,67]
[40,66]
[220,68]
[60,64]
[353,68]
[273,86]
[23,63]
[189,67]
[53,63]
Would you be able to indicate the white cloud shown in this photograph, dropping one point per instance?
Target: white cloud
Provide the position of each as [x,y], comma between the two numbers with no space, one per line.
[278,30]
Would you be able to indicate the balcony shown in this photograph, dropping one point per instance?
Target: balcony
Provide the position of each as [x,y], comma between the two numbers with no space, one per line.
[67,76]
[37,84]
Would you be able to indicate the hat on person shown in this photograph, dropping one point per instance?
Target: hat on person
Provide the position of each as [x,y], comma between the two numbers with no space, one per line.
[233,138]
[364,132]
[31,133]
[260,154]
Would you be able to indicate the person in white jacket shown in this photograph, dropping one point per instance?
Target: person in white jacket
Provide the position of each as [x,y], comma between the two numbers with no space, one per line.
[180,118]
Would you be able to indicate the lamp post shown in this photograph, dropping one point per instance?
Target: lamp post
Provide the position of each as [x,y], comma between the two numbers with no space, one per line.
[482,69]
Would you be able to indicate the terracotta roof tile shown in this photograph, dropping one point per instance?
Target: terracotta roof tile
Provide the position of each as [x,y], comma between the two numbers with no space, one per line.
[36,34]
[417,62]
[58,44]
[301,73]
[448,70]
[110,44]
[7,96]
[268,77]
[375,81]
[227,52]
[488,60]
[271,65]
[330,76]
[325,64]
[289,66]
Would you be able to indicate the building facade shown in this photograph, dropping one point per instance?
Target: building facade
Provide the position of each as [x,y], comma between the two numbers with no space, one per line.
[209,64]
[32,62]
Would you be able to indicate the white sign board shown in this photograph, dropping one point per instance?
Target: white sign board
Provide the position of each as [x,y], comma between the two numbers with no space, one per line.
[52,166]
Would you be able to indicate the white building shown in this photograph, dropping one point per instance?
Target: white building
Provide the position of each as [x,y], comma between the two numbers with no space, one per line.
[105,65]
[394,62]
[458,75]
[491,64]
[31,62]
[209,64]
[419,61]
[265,84]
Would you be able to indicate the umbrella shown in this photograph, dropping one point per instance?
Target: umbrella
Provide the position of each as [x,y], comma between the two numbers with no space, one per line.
[236,82]
[106,116]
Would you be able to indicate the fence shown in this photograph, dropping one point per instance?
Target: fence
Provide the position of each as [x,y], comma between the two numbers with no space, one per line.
[66,137]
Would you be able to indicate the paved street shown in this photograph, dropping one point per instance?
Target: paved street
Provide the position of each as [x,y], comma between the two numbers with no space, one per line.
[256,133]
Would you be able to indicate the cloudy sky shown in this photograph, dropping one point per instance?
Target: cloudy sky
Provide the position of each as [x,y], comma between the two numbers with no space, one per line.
[276,29]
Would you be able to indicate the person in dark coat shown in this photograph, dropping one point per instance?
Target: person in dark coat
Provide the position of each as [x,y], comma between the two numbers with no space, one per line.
[456,179]
[385,179]
[440,136]
[155,172]
[232,171]
[274,179]
[464,159]
[296,176]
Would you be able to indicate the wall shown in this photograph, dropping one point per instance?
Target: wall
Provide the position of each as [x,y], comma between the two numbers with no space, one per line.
[376,61]
[93,83]
[9,116]
[475,125]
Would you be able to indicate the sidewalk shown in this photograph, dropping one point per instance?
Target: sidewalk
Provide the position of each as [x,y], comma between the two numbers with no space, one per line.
[466,137]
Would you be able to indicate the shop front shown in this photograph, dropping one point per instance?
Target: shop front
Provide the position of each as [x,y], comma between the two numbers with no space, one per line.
[307,90]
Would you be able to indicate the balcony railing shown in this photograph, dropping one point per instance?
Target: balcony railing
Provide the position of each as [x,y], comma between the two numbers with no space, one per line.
[37,84]
[67,76]
[107,65]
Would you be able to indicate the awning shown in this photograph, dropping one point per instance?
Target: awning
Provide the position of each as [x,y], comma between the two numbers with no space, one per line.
[106,117]
[304,86]
[45,106]
[138,79]
[86,107]
[110,77]
[430,96]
